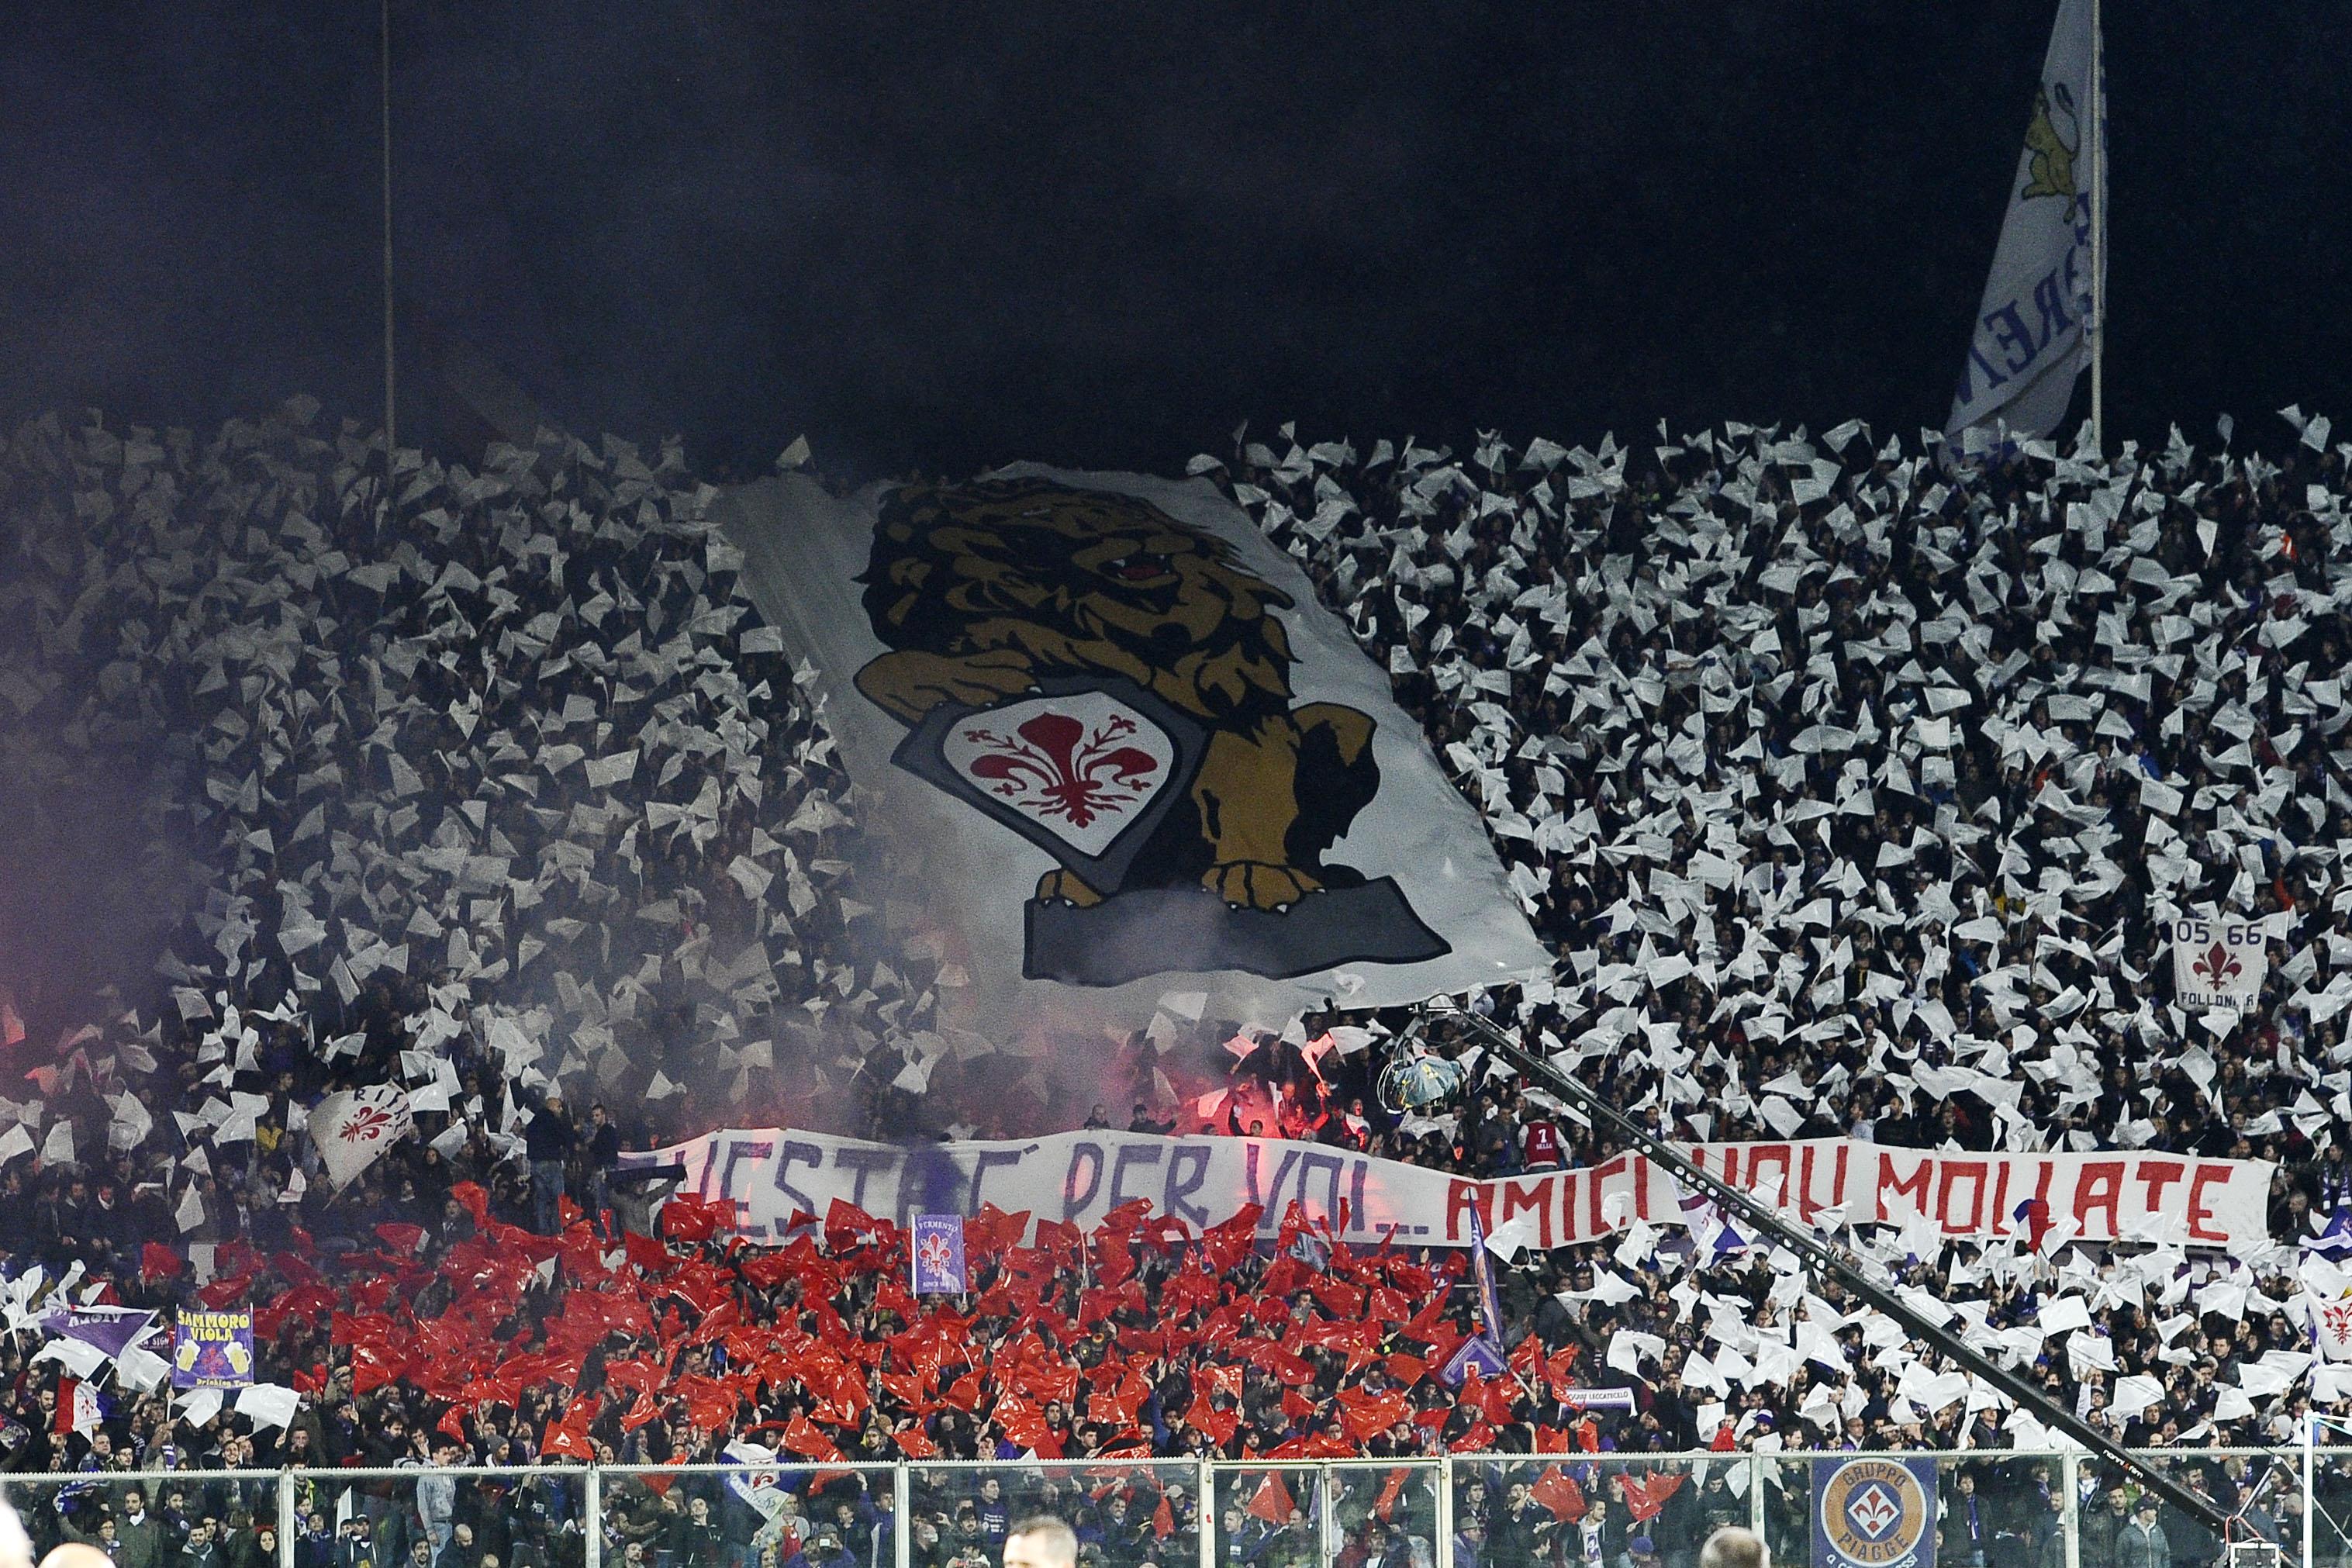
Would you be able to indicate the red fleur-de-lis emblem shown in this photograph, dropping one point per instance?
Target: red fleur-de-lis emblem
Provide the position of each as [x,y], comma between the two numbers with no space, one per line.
[1056,766]
[1875,1512]
[367,1126]
[937,1256]
[2217,967]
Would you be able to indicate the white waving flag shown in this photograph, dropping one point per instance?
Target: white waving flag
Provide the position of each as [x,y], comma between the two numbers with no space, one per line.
[2331,1323]
[2034,327]
[2218,963]
[1124,750]
[352,1130]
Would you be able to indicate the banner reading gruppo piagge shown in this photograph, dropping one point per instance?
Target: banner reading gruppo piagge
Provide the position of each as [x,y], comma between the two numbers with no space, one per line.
[772,1174]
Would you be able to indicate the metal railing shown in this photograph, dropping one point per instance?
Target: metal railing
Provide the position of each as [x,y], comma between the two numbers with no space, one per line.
[1996,1508]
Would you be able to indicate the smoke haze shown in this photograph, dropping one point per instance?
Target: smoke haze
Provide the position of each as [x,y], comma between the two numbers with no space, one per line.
[958,237]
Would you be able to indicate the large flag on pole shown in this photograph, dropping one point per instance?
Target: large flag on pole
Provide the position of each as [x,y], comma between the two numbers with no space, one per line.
[354,1129]
[1122,752]
[2036,328]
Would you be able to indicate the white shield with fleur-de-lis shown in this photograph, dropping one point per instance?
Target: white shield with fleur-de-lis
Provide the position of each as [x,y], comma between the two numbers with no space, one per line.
[1083,769]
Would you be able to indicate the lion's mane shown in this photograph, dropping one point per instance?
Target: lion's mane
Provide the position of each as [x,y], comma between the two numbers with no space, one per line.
[972,568]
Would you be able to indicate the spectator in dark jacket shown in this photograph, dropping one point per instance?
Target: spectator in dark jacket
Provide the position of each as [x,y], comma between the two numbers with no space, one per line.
[2102,1526]
[2047,1535]
[138,1533]
[691,1540]
[315,1546]
[1968,1522]
[548,1140]
[356,1548]
[459,1550]
[604,1148]
[2143,1543]
[202,1549]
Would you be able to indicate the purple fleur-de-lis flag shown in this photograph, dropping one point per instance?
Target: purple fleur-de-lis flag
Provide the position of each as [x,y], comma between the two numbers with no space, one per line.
[938,1243]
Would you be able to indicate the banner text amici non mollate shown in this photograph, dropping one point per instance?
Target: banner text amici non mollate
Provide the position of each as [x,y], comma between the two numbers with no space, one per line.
[771,1174]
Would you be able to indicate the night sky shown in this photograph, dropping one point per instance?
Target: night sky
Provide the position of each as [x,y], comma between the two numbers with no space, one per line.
[949,236]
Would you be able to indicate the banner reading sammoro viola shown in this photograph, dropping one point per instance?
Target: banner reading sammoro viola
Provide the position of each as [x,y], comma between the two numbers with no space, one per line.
[773,1174]
[1122,751]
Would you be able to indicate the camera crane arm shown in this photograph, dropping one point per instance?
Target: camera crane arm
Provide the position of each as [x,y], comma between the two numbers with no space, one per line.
[1833,1260]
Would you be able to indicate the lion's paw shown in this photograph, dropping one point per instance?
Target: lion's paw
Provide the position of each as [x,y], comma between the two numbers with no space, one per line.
[1259,884]
[1062,886]
[910,682]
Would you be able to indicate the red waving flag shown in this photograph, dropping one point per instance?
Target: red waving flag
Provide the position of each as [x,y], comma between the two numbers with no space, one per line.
[1558,1493]
[1272,1502]
[1645,1495]
[570,1441]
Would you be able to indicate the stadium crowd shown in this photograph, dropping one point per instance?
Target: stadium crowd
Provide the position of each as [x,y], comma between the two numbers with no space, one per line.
[1853,795]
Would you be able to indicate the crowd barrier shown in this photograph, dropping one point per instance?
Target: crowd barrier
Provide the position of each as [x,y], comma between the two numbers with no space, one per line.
[2032,1510]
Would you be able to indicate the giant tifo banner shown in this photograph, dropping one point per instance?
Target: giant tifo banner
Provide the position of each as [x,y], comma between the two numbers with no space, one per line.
[778,1178]
[1129,751]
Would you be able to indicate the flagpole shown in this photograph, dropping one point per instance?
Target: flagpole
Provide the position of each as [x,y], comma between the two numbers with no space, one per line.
[2098,139]
[391,417]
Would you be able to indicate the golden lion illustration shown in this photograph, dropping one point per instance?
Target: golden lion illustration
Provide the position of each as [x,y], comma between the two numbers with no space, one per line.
[2049,166]
[981,589]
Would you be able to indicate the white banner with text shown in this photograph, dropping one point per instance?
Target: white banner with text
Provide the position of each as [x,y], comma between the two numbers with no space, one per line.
[772,1175]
